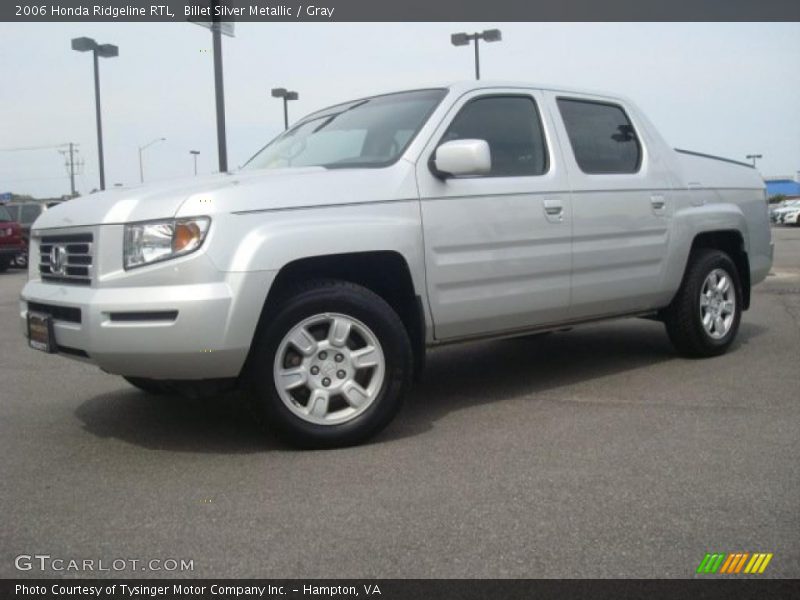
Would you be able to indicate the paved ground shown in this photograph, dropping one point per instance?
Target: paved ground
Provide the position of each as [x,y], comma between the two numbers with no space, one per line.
[594,453]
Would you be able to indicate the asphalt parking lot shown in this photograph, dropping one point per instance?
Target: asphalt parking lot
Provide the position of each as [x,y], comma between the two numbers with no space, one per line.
[592,453]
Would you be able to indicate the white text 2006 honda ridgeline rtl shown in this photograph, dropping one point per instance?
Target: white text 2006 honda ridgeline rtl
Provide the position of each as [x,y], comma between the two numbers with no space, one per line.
[319,273]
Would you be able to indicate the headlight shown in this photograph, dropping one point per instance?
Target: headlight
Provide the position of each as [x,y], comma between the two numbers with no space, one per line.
[155,241]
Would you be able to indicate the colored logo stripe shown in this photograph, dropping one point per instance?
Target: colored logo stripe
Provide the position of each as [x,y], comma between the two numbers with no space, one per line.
[758,563]
[710,563]
[734,563]
[720,562]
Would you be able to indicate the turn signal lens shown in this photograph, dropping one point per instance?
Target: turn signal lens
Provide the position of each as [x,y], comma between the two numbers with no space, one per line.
[187,235]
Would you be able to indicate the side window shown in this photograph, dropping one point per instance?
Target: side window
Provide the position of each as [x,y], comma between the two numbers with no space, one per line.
[513,130]
[602,137]
[30,212]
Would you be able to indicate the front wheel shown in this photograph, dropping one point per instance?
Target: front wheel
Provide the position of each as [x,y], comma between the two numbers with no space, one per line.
[331,367]
[704,316]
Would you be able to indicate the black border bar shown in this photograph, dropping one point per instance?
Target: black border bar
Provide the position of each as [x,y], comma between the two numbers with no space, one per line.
[401,10]
[414,589]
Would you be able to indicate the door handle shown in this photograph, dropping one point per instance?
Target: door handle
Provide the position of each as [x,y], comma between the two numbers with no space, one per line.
[553,210]
[658,203]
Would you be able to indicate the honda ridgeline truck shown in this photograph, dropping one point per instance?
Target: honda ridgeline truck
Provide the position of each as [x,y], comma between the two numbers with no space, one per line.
[319,273]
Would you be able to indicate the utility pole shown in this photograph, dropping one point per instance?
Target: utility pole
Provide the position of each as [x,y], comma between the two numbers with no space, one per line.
[72,165]
[754,158]
[477,61]
[218,28]
[71,169]
[85,44]
[194,154]
[463,39]
[219,91]
[142,149]
[286,95]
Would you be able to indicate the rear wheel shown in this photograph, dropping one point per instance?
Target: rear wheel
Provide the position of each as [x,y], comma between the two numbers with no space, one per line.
[4,262]
[331,367]
[704,317]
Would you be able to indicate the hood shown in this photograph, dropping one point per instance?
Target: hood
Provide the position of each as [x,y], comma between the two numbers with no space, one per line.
[241,191]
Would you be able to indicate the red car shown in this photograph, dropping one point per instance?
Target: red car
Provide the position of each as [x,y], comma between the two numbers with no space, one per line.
[11,242]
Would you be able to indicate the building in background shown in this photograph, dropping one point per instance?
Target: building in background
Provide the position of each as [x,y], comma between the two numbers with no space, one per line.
[786,187]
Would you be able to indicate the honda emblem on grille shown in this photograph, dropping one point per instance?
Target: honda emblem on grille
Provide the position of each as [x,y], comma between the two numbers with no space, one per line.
[58,259]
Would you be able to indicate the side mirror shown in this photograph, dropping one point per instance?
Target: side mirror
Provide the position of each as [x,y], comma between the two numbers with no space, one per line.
[461,157]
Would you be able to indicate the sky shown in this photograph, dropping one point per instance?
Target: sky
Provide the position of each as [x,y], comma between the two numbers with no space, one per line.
[722,88]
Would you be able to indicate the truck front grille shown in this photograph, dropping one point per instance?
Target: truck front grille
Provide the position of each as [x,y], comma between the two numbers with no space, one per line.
[66,258]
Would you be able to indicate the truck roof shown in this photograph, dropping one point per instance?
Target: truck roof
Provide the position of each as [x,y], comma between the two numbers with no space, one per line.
[466,86]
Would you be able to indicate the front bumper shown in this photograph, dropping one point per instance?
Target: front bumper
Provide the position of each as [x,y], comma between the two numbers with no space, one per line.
[192,331]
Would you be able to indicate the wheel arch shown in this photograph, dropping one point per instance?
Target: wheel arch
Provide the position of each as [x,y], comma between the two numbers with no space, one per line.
[384,272]
[732,243]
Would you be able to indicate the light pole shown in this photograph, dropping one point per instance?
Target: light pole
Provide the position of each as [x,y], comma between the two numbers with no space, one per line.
[143,148]
[754,158]
[85,44]
[286,95]
[194,154]
[463,39]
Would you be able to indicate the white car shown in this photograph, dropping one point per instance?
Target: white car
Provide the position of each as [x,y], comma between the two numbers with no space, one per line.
[790,213]
[777,213]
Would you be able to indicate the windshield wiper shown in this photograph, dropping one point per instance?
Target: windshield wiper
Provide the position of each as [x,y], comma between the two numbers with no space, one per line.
[334,116]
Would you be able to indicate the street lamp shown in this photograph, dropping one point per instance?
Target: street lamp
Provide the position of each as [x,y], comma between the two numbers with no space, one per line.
[286,95]
[194,154]
[463,39]
[85,44]
[143,148]
[754,158]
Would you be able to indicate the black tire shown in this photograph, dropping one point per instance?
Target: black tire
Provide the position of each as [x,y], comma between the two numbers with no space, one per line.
[21,260]
[4,263]
[311,299]
[683,319]
[151,386]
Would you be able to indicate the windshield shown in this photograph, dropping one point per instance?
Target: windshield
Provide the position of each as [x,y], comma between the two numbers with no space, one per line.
[4,214]
[372,132]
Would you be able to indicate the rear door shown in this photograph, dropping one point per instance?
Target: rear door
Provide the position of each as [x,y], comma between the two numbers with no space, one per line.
[497,247]
[621,206]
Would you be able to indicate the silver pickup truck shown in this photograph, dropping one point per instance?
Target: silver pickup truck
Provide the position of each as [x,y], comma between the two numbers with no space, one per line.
[319,273]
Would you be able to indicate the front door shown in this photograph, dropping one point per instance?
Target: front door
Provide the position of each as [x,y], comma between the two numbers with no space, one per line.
[497,247]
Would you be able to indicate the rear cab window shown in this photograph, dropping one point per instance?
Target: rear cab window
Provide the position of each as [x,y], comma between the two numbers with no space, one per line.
[602,136]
